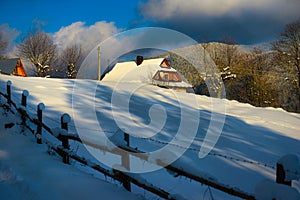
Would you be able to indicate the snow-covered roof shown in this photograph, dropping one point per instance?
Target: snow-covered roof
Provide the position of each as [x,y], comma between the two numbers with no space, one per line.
[143,73]
[12,66]
[7,66]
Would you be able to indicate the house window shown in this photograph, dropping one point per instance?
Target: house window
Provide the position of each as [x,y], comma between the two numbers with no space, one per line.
[167,76]
[165,64]
[15,72]
[174,76]
[156,77]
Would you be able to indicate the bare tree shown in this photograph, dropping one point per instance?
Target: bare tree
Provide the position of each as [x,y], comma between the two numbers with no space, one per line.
[71,58]
[287,58]
[288,47]
[3,45]
[224,55]
[264,80]
[40,50]
[229,50]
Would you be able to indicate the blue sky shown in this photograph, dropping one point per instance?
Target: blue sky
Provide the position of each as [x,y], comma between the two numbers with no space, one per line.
[245,21]
[54,14]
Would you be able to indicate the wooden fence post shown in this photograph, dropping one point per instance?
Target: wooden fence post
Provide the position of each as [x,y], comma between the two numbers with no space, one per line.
[24,98]
[126,162]
[8,91]
[65,119]
[284,175]
[280,175]
[23,111]
[126,138]
[40,109]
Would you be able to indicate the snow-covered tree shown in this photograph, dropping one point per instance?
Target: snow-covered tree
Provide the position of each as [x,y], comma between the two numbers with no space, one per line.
[39,48]
[3,44]
[288,46]
[71,58]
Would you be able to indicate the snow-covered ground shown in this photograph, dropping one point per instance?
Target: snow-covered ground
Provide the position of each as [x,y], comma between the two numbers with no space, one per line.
[28,171]
[251,142]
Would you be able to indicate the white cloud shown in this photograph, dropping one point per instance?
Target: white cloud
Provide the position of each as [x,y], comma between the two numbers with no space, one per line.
[163,9]
[9,35]
[167,9]
[246,21]
[121,44]
[87,36]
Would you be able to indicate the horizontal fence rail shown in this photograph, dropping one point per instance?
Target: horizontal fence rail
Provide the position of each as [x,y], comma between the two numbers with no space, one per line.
[126,178]
[64,149]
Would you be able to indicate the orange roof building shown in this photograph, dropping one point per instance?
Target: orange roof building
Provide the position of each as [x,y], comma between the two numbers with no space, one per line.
[153,71]
[12,66]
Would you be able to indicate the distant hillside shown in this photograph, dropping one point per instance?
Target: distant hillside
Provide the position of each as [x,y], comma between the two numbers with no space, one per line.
[251,74]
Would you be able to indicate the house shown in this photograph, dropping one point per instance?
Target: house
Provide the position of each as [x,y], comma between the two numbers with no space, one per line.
[12,66]
[153,71]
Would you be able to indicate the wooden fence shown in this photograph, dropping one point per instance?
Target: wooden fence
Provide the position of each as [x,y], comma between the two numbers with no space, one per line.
[126,178]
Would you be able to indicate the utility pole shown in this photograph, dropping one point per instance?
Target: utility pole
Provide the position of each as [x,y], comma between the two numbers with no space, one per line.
[99,73]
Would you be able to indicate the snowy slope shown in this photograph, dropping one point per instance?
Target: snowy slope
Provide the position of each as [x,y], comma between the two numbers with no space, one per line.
[27,171]
[252,139]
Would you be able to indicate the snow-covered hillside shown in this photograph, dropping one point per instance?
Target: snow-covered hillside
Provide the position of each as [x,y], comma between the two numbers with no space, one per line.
[251,140]
[27,171]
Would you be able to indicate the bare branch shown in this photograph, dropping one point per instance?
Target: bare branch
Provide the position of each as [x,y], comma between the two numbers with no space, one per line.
[40,50]
[3,44]
[288,45]
[71,58]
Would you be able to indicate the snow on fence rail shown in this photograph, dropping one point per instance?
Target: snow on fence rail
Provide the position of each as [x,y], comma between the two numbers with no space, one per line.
[126,178]
[64,149]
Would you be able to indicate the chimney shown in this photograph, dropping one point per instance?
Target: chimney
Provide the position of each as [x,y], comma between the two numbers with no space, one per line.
[139,60]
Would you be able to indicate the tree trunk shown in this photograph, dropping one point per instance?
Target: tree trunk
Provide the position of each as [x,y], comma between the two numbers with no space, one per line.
[298,79]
